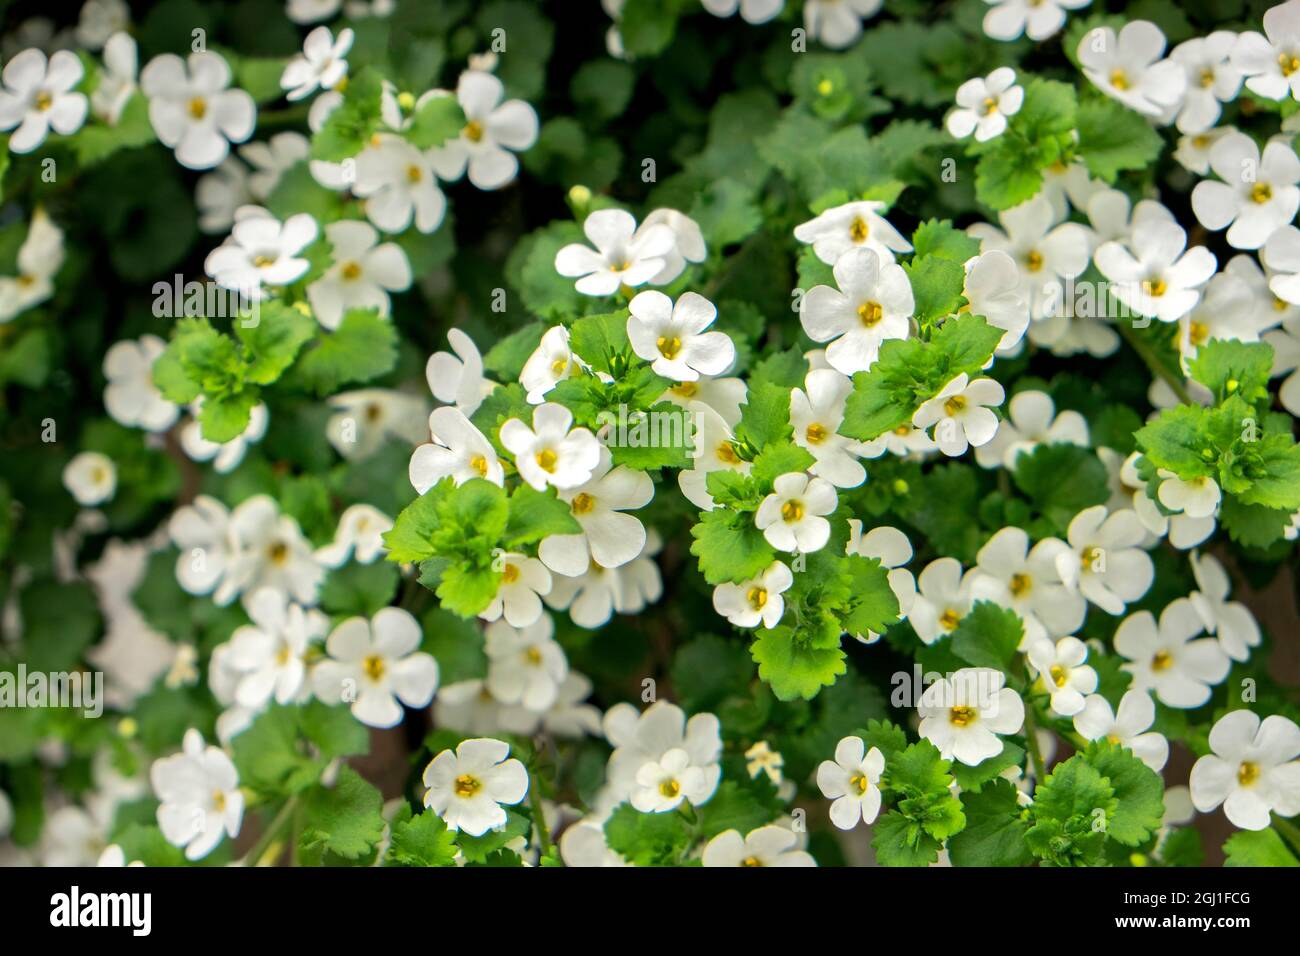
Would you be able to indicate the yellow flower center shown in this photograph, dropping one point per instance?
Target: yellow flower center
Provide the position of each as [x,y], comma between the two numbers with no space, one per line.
[473,131]
[1198,333]
[1020,583]
[467,785]
[373,665]
[1162,661]
[559,367]
[1119,79]
[44,101]
[949,620]
[670,788]
[1089,558]
[533,656]
[262,260]
[990,105]
[1247,773]
[282,655]
[870,313]
[1034,260]
[757,598]
[219,801]
[479,464]
[546,459]
[1058,674]
[510,575]
[198,107]
[753,860]
[351,271]
[685,389]
[582,503]
[414,173]
[1155,287]
[1207,78]
[954,405]
[669,346]
[1261,193]
[278,553]
[727,452]
[859,783]
[962,716]
[792,511]
[858,230]
[1289,63]
[815,433]
[902,431]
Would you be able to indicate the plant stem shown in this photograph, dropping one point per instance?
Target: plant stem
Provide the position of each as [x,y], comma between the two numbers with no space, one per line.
[1153,363]
[272,831]
[1031,739]
[1288,830]
[539,816]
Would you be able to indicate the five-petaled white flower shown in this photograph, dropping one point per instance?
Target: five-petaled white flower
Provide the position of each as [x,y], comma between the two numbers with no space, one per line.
[961,415]
[672,337]
[269,654]
[399,185]
[1031,421]
[852,782]
[552,452]
[1156,278]
[262,251]
[517,599]
[1046,251]
[984,103]
[1253,770]
[1011,573]
[1194,497]
[1258,194]
[525,665]
[1126,727]
[609,537]
[1271,61]
[1211,79]
[816,412]
[963,714]
[38,97]
[646,739]
[792,516]
[361,276]
[943,597]
[1129,67]
[199,796]
[756,601]
[1063,672]
[771,845]
[470,787]
[872,304]
[492,134]
[459,451]
[853,225]
[625,256]
[1038,19]
[192,109]
[1104,560]
[373,665]
[321,65]
[1168,658]
[1230,621]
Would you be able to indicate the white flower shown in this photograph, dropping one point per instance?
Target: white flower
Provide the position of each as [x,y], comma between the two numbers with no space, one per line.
[115,856]
[457,379]
[225,456]
[722,395]
[891,548]
[837,23]
[525,666]
[117,81]
[592,598]
[262,251]
[191,109]
[131,397]
[1104,561]
[374,664]
[1228,310]
[1010,573]
[398,183]
[851,226]
[688,242]
[199,797]
[960,414]
[1257,195]
[220,193]
[672,337]
[40,258]
[568,716]
[624,255]
[551,452]
[1230,621]
[367,417]
[1193,151]
[663,783]
[816,415]
[942,600]
[1195,497]
[38,97]
[1129,67]
[272,552]
[1113,217]
[852,783]
[761,758]
[271,160]
[608,537]
[984,103]
[493,133]
[647,740]
[770,845]
[468,788]
[1125,727]
[995,290]
[873,304]
[1165,658]
[360,535]
[1044,252]
[551,363]
[522,580]
[202,532]
[1183,530]
[91,478]
[757,600]
[1272,65]
[361,275]
[321,65]
[1253,770]
[1157,279]
[792,516]
[903,441]
[751,11]
[1211,79]
[1031,421]
[459,451]
[1281,255]
[963,714]
[269,654]
[1039,19]
[1271,310]
[1063,672]
[715,450]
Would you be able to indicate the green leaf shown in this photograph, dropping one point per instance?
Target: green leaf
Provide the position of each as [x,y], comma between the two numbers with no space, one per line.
[874,606]
[765,417]
[937,285]
[1178,439]
[350,126]
[939,239]
[411,536]
[359,589]
[345,819]
[647,839]
[1061,480]
[899,841]
[1113,138]
[1258,848]
[361,349]
[507,357]
[1138,790]
[795,665]
[1227,367]
[779,458]
[994,833]
[438,120]
[973,779]
[601,340]
[535,515]
[988,636]
[476,849]
[734,808]
[729,547]
[272,339]
[421,840]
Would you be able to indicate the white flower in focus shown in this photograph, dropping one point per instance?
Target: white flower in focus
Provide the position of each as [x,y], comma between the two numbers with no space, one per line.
[362,274]
[1063,672]
[1104,560]
[659,736]
[1257,195]
[984,103]
[943,598]
[1230,621]
[523,579]
[551,363]
[131,397]
[469,787]
[459,451]
[37,97]
[1195,497]
[1193,151]
[91,478]
[1253,770]
[1227,311]
[715,450]
[963,715]
[525,665]
[1166,659]
[961,415]
[1031,421]
[321,65]
[792,517]
[1013,575]
[609,537]
[1127,727]
[624,255]
[873,303]
[756,601]
[672,337]
[399,185]
[193,111]
[1037,19]
[995,290]
[373,665]
[688,243]
[1211,79]
[852,783]
[770,845]
[551,452]
[199,797]
[1129,67]
[360,536]
[457,379]
[851,226]
[1271,62]
[1157,279]
[816,415]
[493,133]
[1046,251]
[262,251]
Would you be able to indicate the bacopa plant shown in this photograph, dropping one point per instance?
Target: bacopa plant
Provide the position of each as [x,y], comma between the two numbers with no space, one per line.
[633,433]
